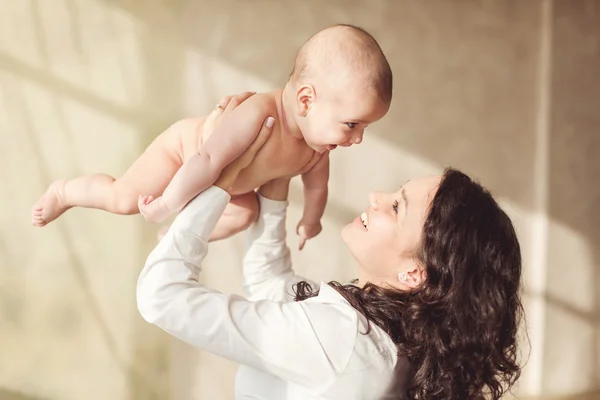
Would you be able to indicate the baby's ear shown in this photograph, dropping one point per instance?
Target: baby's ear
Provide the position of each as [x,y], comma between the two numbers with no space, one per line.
[305,96]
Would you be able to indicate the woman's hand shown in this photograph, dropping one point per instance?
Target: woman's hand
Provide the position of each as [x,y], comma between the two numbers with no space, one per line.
[224,108]
[230,173]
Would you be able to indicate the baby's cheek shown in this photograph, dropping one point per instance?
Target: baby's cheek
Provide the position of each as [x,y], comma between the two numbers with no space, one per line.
[337,137]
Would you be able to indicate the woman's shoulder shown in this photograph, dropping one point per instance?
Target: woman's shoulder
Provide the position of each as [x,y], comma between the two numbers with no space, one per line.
[346,328]
[356,348]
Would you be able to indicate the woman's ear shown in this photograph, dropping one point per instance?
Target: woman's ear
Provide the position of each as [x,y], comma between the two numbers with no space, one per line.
[413,277]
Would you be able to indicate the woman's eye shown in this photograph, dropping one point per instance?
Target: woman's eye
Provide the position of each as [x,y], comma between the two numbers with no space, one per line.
[395,206]
[351,125]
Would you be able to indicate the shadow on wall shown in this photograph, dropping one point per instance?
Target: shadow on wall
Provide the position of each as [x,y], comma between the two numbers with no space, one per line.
[58,86]
[8,395]
[573,276]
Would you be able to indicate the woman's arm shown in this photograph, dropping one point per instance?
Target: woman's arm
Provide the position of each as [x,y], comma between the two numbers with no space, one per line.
[267,271]
[291,340]
[307,343]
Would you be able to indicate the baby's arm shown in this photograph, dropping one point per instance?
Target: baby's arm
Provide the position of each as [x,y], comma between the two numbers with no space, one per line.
[315,199]
[230,139]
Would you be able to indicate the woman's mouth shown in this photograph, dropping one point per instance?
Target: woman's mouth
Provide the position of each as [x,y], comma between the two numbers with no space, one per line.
[365,219]
[362,221]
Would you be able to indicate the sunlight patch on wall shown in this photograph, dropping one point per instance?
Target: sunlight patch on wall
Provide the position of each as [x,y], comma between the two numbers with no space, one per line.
[83,44]
[208,78]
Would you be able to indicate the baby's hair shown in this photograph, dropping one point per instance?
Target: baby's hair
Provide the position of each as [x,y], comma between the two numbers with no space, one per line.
[345,46]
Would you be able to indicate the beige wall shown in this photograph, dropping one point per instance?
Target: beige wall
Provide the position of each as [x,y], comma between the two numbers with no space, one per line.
[506,90]
[572,345]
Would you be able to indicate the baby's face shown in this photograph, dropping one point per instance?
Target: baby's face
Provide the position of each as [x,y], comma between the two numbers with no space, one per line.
[341,120]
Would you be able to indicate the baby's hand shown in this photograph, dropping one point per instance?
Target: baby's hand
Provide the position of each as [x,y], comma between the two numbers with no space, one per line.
[154,210]
[306,231]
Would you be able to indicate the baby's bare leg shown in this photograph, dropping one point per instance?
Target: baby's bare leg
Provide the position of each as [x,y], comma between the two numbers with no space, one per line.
[240,213]
[192,178]
[150,173]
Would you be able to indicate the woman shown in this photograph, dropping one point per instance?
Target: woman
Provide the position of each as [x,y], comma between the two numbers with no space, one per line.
[433,315]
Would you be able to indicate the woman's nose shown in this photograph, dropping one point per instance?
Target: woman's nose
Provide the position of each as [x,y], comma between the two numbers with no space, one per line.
[374,200]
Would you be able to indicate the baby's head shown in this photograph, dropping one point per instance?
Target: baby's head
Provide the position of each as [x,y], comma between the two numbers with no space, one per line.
[341,83]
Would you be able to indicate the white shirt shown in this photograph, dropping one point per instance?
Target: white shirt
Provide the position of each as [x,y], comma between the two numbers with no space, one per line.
[313,349]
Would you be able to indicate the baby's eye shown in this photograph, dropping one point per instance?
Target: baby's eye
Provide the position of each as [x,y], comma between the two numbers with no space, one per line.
[351,125]
[395,206]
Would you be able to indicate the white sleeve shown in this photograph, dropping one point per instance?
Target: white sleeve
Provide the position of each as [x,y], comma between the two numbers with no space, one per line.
[307,343]
[267,270]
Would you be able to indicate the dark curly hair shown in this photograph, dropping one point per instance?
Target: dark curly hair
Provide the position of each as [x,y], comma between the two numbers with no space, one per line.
[459,328]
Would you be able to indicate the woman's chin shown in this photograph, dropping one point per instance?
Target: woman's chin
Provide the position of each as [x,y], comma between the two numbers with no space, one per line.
[346,232]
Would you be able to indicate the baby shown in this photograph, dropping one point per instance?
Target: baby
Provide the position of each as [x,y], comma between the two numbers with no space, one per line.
[341,83]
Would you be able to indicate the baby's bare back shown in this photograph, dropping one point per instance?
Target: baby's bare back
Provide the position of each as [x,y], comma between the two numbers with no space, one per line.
[282,155]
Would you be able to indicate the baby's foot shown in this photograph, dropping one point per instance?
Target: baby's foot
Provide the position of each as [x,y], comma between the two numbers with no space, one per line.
[154,210]
[50,206]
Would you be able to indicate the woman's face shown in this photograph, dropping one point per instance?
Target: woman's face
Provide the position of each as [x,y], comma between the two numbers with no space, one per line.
[389,231]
